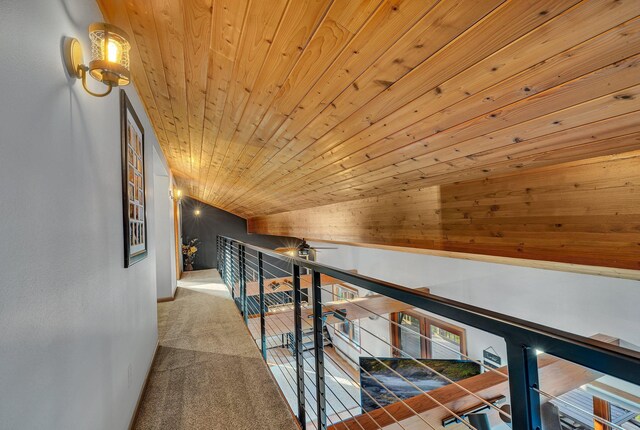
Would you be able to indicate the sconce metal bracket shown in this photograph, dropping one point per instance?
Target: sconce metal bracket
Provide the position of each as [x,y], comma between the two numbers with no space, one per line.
[73,57]
[73,61]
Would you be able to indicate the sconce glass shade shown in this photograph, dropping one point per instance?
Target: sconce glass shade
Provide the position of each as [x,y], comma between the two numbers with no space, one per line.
[109,54]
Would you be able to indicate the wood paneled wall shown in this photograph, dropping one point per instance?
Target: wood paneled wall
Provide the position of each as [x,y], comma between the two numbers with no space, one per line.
[585,212]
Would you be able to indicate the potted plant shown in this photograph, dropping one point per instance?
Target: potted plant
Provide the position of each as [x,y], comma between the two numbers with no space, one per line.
[189,254]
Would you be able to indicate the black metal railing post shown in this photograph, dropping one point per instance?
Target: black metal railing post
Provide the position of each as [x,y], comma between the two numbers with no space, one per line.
[233,273]
[318,345]
[243,282]
[219,255]
[263,334]
[297,316]
[229,268]
[227,260]
[223,251]
[224,261]
[523,378]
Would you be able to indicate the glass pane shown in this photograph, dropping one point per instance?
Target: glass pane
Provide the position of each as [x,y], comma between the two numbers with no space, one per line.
[343,328]
[343,294]
[355,337]
[444,344]
[410,342]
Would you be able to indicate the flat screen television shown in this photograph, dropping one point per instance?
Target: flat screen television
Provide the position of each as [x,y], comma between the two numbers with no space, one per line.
[380,386]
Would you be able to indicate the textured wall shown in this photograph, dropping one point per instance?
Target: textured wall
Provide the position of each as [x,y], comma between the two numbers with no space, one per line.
[78,330]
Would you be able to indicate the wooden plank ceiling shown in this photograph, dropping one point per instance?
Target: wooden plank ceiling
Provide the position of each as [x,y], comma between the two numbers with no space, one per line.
[268,106]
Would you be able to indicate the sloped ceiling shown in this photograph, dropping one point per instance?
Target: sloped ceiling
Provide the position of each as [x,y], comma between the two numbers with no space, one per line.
[267,106]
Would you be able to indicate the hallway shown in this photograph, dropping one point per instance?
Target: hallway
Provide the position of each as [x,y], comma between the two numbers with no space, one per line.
[208,373]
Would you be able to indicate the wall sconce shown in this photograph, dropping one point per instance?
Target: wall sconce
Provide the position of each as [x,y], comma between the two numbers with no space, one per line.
[196,212]
[109,57]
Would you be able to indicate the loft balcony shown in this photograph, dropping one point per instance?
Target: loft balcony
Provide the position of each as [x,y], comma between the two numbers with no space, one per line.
[350,351]
[319,214]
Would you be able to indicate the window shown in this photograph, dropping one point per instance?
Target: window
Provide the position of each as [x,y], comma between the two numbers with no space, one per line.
[423,336]
[350,330]
[342,292]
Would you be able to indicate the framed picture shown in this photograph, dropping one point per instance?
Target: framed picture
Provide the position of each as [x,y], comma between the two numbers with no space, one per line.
[381,386]
[133,184]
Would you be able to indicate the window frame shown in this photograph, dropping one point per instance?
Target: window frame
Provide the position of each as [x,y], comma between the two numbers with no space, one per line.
[354,331]
[426,322]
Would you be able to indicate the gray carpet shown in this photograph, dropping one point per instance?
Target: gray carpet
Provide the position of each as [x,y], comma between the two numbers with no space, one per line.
[208,373]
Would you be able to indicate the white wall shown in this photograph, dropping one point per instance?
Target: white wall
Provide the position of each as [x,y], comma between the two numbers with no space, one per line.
[578,303]
[77,329]
[165,237]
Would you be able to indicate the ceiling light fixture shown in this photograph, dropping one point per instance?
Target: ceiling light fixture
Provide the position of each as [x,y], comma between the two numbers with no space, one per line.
[109,57]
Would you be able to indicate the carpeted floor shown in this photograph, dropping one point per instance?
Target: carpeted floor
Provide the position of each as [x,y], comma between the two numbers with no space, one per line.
[208,373]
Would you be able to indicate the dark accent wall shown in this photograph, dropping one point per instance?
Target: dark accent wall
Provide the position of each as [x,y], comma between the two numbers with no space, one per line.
[212,222]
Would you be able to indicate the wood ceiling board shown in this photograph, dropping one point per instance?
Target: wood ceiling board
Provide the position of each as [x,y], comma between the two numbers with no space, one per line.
[568,143]
[337,29]
[610,105]
[342,23]
[228,21]
[566,153]
[197,16]
[255,132]
[452,59]
[299,23]
[585,212]
[143,28]
[584,55]
[261,23]
[168,16]
[561,95]
[389,23]
[386,25]
[441,24]
[365,87]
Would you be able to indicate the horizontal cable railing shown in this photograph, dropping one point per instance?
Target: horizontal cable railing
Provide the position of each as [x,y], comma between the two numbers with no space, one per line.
[338,369]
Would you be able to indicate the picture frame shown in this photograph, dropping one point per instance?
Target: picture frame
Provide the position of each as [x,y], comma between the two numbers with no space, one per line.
[409,377]
[134,207]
